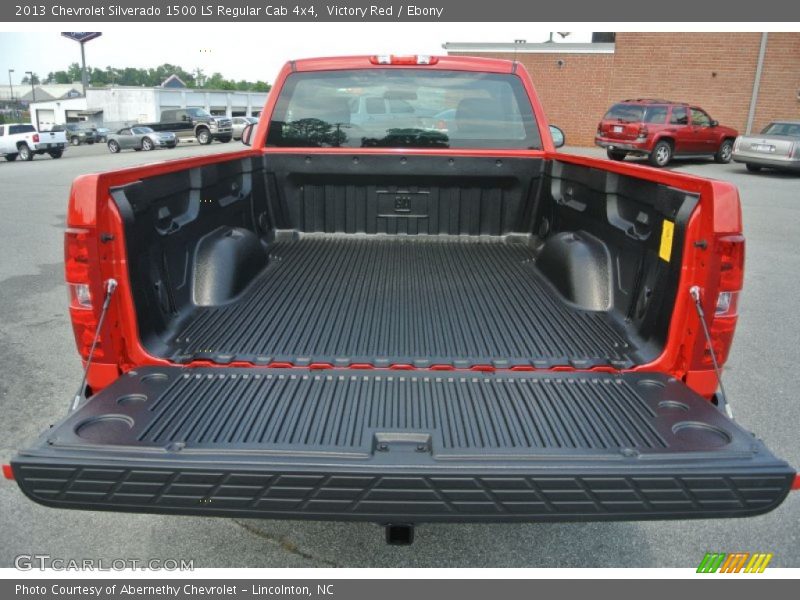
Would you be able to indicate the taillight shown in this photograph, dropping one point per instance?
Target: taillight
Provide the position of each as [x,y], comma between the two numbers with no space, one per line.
[76,255]
[643,131]
[77,272]
[721,331]
[391,59]
[36,138]
[729,250]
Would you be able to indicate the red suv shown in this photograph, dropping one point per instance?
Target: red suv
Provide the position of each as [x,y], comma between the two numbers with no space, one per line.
[661,130]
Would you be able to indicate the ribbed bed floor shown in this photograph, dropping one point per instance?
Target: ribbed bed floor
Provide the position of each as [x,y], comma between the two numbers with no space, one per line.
[387,301]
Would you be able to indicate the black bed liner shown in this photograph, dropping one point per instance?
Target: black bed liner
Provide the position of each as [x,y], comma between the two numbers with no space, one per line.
[412,445]
[415,300]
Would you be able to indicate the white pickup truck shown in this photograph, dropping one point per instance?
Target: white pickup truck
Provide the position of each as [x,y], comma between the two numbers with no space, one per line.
[23,141]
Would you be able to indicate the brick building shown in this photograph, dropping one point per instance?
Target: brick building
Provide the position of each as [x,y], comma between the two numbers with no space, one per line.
[717,71]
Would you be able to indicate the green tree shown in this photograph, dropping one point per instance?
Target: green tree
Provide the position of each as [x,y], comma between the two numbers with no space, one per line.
[73,72]
[112,75]
[33,78]
[98,77]
[218,82]
[131,76]
[154,76]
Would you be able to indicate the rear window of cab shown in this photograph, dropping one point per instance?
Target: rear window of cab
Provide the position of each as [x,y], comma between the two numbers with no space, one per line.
[403,108]
[12,129]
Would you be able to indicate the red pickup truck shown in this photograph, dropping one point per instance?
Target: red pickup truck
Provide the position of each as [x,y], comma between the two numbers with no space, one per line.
[389,322]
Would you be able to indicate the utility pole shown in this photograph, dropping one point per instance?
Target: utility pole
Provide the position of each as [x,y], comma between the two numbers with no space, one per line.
[33,89]
[751,114]
[11,85]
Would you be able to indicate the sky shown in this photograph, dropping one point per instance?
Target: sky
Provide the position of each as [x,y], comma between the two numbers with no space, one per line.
[251,51]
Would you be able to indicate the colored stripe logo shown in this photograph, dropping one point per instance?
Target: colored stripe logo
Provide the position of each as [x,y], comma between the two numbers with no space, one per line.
[737,562]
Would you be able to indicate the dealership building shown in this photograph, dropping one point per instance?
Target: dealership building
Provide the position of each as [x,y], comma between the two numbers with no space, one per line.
[119,106]
[743,80]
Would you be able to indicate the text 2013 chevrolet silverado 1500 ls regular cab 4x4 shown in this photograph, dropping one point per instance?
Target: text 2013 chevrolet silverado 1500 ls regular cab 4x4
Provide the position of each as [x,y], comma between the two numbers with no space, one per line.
[391,323]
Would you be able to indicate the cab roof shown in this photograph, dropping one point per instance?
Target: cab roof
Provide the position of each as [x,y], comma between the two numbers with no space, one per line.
[447,63]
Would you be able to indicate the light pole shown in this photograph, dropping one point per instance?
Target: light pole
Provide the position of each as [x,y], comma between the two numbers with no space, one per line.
[563,35]
[11,85]
[33,89]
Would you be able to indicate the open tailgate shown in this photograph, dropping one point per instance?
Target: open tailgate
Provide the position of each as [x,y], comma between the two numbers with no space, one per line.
[402,445]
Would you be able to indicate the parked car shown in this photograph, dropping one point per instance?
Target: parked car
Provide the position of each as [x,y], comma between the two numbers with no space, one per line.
[140,137]
[372,112]
[239,123]
[777,147]
[484,330]
[78,134]
[102,134]
[662,130]
[21,140]
[195,123]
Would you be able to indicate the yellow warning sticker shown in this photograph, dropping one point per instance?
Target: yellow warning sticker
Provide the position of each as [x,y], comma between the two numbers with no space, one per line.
[667,231]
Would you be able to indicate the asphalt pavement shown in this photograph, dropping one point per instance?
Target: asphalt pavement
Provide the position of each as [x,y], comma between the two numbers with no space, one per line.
[41,370]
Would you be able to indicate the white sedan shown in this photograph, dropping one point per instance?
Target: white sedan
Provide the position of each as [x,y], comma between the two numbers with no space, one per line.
[776,147]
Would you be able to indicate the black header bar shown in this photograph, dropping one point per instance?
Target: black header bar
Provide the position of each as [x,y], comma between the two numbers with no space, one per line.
[269,11]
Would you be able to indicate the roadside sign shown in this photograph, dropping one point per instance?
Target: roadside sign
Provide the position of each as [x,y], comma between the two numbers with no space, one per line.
[81,36]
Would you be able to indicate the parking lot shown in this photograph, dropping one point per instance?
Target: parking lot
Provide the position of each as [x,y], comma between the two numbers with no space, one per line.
[41,370]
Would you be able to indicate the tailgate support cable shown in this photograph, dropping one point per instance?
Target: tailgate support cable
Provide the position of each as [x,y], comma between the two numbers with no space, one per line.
[80,396]
[695,293]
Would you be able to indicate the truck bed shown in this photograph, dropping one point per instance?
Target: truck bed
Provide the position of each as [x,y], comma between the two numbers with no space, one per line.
[385,262]
[337,299]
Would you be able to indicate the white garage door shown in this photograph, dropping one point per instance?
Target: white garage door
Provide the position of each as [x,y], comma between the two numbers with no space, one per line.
[45,119]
